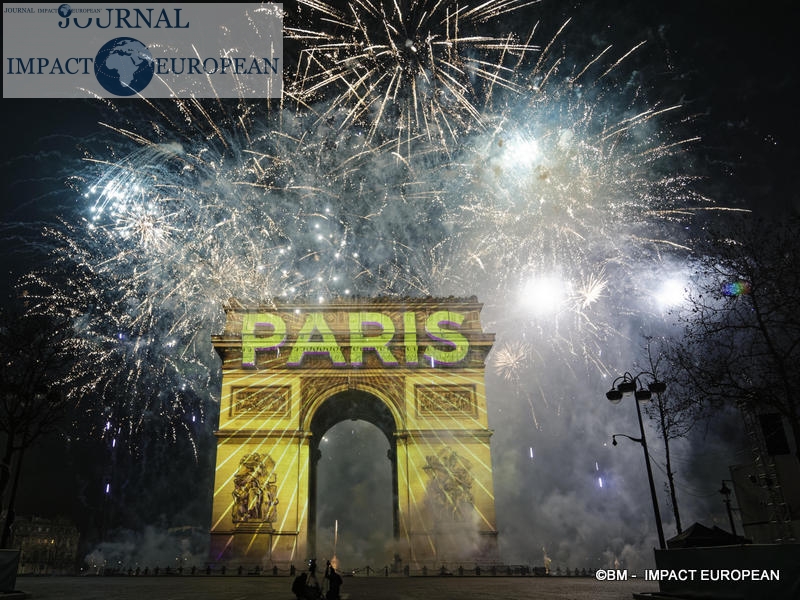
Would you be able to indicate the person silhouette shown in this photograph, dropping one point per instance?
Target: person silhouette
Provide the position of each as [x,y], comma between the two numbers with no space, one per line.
[299,586]
[313,590]
[334,582]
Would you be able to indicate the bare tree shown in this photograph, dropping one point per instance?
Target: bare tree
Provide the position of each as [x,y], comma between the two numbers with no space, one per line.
[32,354]
[742,331]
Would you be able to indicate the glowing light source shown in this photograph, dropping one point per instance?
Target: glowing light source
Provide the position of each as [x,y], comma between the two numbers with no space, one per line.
[672,292]
[543,295]
[520,152]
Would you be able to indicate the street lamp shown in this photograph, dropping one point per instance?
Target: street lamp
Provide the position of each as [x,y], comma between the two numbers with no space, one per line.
[625,385]
[726,494]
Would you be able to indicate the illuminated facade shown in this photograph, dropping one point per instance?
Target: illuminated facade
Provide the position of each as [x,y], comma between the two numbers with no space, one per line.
[413,368]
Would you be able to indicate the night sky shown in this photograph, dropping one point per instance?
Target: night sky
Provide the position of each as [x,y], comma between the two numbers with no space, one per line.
[729,64]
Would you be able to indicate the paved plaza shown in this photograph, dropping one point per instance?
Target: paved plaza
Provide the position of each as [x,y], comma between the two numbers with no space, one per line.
[354,588]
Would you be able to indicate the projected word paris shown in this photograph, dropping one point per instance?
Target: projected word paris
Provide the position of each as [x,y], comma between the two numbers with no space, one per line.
[365,331]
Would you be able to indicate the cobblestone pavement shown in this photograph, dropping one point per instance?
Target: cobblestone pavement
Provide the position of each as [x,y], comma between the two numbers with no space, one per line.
[354,588]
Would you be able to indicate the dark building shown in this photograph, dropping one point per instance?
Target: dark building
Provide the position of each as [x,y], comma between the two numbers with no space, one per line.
[47,546]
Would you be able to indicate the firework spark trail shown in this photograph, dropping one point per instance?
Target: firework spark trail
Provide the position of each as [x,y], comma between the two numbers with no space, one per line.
[421,70]
[569,184]
[183,224]
[498,173]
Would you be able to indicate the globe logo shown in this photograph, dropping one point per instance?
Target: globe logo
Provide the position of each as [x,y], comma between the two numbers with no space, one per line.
[64,10]
[123,66]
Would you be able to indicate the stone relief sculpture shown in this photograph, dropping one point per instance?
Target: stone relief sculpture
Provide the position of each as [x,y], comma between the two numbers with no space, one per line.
[450,485]
[255,491]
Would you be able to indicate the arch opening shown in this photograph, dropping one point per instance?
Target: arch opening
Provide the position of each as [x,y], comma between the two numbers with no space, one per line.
[344,473]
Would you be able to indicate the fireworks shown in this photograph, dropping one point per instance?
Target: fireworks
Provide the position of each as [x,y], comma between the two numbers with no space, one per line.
[511,360]
[412,155]
[407,70]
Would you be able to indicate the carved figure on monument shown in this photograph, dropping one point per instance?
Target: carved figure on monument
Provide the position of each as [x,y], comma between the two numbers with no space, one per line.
[450,485]
[253,481]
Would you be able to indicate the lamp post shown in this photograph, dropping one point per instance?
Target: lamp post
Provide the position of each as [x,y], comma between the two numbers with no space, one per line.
[628,384]
[726,494]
